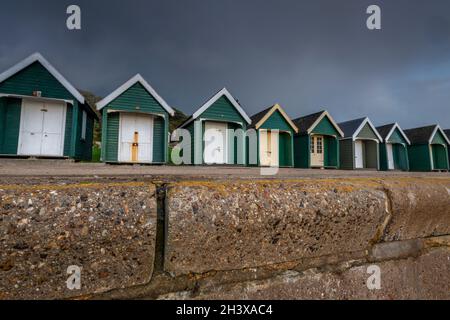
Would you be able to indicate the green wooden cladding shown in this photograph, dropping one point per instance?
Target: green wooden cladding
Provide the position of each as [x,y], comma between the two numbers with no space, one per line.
[276,121]
[302,145]
[428,157]
[221,110]
[367,133]
[33,78]
[419,157]
[440,161]
[346,155]
[399,150]
[135,99]
[9,125]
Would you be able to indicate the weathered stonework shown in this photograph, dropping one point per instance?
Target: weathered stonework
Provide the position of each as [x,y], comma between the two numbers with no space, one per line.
[425,277]
[108,230]
[225,239]
[236,225]
[420,207]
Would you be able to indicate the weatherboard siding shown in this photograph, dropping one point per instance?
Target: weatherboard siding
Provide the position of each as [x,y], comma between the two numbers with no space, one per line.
[136,99]
[10,119]
[325,127]
[36,77]
[438,138]
[276,121]
[222,110]
[68,131]
[331,152]
[302,151]
[396,137]
[346,157]
[83,149]
[112,138]
[440,161]
[159,154]
[419,157]
[367,133]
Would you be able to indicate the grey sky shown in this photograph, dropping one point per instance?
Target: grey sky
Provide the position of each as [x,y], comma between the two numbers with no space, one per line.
[306,55]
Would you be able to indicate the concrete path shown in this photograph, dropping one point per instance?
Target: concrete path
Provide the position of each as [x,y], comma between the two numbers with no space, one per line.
[67,168]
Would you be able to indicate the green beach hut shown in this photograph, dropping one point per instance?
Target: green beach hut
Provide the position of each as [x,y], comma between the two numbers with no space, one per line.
[429,149]
[316,145]
[275,137]
[447,133]
[135,124]
[42,114]
[217,130]
[359,148]
[394,148]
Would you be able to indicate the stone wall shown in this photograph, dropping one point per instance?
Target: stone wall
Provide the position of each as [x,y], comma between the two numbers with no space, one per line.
[247,239]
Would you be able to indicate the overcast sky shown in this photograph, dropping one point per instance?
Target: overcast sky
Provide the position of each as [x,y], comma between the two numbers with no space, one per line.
[305,55]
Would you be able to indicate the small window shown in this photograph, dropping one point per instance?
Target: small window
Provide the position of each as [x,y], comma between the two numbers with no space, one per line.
[312,144]
[83,126]
[319,145]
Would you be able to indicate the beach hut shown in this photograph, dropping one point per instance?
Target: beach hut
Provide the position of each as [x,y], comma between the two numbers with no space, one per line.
[359,148]
[135,124]
[42,114]
[429,149]
[447,133]
[275,137]
[316,145]
[394,148]
[217,131]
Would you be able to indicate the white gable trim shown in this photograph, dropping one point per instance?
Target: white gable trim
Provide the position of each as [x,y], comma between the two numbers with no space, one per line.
[37,57]
[438,127]
[210,102]
[396,126]
[137,78]
[367,120]
[326,114]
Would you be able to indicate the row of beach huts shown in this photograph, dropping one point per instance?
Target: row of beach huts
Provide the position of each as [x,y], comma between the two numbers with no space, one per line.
[43,115]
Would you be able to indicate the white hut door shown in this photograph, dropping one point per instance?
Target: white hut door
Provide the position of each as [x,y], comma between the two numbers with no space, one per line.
[359,155]
[136,136]
[317,152]
[215,143]
[42,128]
[269,146]
[390,156]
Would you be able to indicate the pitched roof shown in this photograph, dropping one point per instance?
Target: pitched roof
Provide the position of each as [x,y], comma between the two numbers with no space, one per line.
[304,123]
[424,135]
[353,127]
[258,116]
[37,57]
[349,127]
[307,123]
[136,79]
[211,101]
[387,130]
[447,132]
[261,117]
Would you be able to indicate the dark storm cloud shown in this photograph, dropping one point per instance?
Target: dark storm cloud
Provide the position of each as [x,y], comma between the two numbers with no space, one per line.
[306,55]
